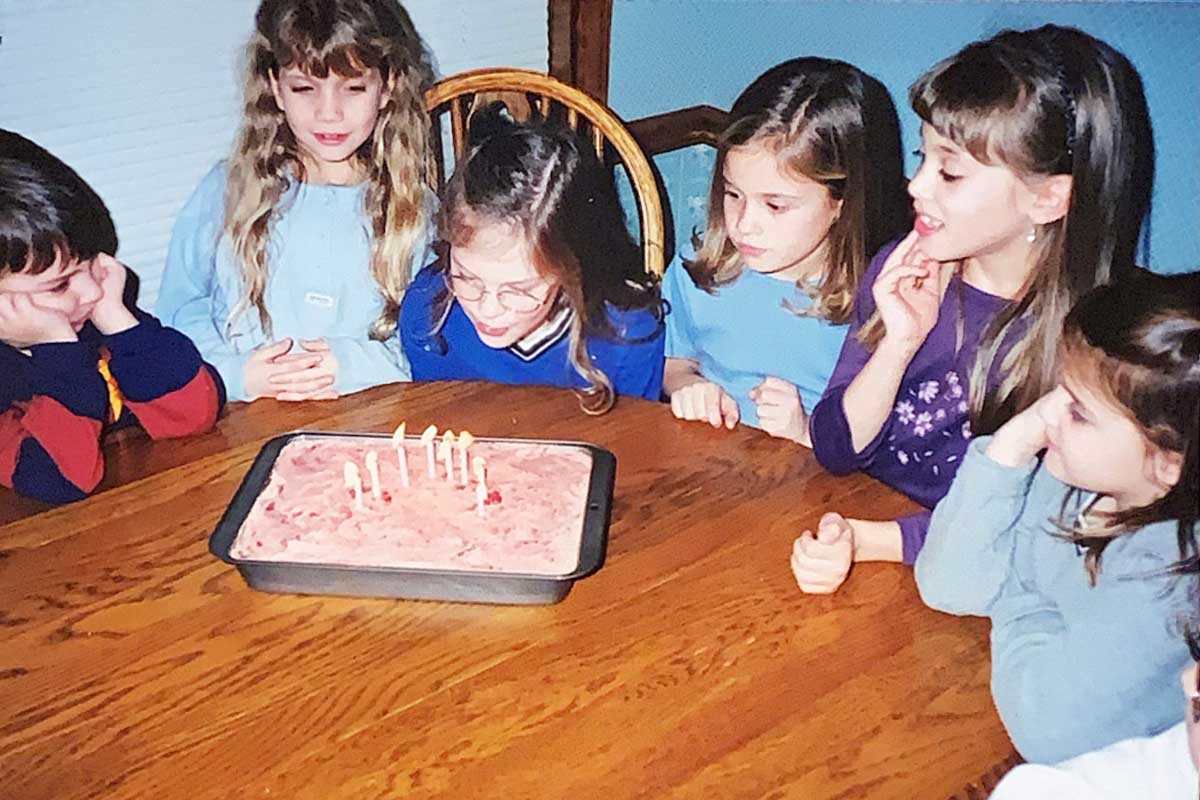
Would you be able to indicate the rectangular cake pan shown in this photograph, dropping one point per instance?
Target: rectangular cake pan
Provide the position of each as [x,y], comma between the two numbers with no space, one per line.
[415,583]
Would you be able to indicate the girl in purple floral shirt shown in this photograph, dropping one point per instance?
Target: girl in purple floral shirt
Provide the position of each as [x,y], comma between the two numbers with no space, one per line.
[1036,174]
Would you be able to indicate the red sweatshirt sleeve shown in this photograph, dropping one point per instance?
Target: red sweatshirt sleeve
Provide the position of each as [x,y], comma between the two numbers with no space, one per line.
[163,380]
[50,439]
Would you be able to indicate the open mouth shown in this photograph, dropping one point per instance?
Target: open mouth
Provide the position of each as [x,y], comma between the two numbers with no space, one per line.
[331,139]
[926,225]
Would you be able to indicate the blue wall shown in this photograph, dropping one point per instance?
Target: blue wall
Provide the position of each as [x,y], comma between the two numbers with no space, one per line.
[669,54]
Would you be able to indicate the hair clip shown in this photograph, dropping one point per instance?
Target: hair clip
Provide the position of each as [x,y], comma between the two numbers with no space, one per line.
[1065,90]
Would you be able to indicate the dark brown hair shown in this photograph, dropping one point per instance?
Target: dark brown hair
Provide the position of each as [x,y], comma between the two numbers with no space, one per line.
[829,122]
[47,211]
[1048,101]
[538,177]
[1137,345]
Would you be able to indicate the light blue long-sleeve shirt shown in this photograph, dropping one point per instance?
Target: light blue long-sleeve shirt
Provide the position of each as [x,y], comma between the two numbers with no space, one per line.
[1074,667]
[319,287]
[743,333]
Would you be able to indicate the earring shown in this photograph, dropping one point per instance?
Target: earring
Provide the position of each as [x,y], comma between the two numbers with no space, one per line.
[1031,237]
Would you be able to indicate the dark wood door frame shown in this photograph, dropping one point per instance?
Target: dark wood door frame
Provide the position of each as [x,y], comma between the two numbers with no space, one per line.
[580,31]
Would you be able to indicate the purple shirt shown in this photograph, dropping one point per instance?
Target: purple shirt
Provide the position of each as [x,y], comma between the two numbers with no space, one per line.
[919,448]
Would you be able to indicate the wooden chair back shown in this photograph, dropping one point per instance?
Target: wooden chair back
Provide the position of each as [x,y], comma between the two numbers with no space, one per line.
[529,93]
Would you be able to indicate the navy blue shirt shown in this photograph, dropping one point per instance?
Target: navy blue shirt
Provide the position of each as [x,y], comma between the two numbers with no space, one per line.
[632,360]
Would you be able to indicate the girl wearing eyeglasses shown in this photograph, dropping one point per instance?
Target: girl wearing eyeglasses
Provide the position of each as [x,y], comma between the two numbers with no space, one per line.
[1074,527]
[538,280]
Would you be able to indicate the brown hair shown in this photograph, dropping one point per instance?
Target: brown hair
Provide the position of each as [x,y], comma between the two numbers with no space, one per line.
[47,212]
[1049,101]
[538,177]
[349,38]
[1137,345]
[829,122]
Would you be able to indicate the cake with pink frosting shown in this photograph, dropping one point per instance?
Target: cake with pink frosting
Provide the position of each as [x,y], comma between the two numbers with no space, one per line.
[528,521]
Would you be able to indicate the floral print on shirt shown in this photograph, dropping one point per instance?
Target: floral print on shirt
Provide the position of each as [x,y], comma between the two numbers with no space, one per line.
[927,414]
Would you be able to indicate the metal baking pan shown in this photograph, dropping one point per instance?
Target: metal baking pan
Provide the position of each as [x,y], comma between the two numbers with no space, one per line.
[415,583]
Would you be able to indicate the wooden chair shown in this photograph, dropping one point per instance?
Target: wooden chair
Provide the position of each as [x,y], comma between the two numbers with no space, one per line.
[526,92]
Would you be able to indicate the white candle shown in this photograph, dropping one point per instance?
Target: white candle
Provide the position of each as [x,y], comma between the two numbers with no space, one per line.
[373,471]
[401,454]
[465,439]
[479,467]
[446,453]
[427,438]
[480,500]
[353,482]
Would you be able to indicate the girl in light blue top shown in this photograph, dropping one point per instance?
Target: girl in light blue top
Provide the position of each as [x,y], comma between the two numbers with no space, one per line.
[288,263]
[1084,557]
[808,184]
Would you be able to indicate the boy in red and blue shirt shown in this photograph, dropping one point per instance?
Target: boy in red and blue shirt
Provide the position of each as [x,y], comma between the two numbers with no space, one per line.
[74,358]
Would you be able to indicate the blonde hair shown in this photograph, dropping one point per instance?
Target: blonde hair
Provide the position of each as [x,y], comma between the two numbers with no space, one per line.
[1049,101]
[349,38]
[828,122]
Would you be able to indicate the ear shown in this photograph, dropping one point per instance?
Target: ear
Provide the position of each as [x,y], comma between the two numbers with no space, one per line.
[1051,199]
[1166,467]
[275,90]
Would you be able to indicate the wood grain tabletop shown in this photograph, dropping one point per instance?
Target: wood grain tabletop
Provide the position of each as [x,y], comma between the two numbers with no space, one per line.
[134,664]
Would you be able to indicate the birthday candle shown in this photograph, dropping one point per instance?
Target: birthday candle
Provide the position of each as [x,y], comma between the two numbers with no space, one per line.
[465,439]
[373,471]
[479,466]
[401,454]
[446,453]
[480,500]
[353,482]
[427,438]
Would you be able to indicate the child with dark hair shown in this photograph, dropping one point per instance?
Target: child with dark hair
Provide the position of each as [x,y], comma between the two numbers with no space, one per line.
[808,184]
[1037,164]
[539,281]
[74,358]
[1082,556]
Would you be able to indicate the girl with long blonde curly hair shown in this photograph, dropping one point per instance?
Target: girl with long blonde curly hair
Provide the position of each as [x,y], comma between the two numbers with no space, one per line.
[288,263]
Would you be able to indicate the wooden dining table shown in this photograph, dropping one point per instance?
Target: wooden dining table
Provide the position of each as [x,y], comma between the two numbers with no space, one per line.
[134,664]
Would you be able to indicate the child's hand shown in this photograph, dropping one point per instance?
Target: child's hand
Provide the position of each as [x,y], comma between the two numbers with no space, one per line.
[23,323]
[271,364]
[313,382]
[707,402]
[780,410]
[1025,435]
[908,293]
[110,315]
[821,564]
